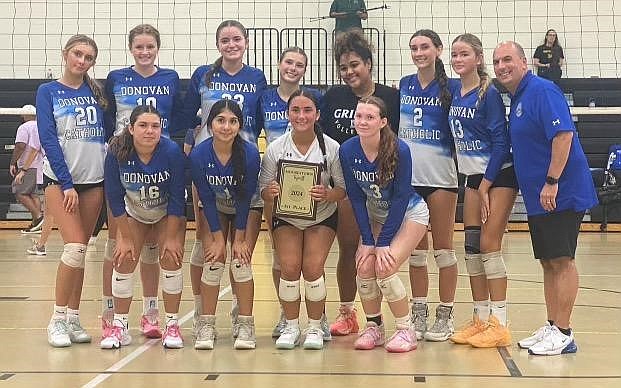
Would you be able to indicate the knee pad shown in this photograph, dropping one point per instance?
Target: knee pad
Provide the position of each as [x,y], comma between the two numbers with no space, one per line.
[315,290]
[392,288]
[172,281]
[418,258]
[241,273]
[109,249]
[472,239]
[289,291]
[74,255]
[122,284]
[197,258]
[212,273]
[474,264]
[494,265]
[150,254]
[444,257]
[367,288]
[275,261]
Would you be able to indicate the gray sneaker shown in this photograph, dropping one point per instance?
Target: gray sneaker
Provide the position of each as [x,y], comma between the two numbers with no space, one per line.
[205,332]
[420,312]
[325,327]
[280,326]
[246,338]
[442,328]
[36,250]
[234,319]
[77,334]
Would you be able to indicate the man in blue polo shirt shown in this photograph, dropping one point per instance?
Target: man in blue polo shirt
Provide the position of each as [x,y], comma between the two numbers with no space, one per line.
[555,181]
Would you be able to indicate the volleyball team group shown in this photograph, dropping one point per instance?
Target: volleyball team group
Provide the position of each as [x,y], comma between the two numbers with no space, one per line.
[388,161]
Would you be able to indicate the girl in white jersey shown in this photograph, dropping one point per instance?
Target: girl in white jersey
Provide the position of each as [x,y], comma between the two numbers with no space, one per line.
[273,114]
[144,83]
[425,101]
[477,119]
[303,245]
[70,123]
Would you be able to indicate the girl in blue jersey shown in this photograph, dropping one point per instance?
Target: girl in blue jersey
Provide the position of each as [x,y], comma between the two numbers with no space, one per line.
[392,219]
[353,55]
[225,169]
[425,100]
[144,83]
[273,107]
[477,120]
[146,196]
[71,130]
[302,245]
[228,77]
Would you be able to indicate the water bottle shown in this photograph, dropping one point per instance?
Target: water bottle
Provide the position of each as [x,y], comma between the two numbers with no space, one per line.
[591,102]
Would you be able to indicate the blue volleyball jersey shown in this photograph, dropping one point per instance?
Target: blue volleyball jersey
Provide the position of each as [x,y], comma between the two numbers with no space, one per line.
[245,88]
[126,89]
[215,184]
[385,204]
[480,133]
[538,113]
[147,192]
[274,116]
[424,126]
[71,130]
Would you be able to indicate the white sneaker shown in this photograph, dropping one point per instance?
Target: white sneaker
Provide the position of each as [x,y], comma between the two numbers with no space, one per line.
[535,337]
[420,312]
[58,333]
[554,343]
[205,333]
[280,326]
[289,338]
[234,319]
[246,338]
[172,339]
[325,327]
[313,338]
[77,334]
[115,336]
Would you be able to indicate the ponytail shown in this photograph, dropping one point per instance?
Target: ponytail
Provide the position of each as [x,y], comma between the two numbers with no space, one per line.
[445,94]
[97,91]
[483,84]
[217,65]
[238,156]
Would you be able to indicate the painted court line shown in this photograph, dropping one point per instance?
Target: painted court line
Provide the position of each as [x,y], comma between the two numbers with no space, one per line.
[143,348]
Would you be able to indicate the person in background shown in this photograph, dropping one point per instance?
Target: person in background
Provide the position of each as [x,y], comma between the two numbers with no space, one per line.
[549,58]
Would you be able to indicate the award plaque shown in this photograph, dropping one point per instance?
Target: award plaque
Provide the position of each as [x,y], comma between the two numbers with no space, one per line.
[295,180]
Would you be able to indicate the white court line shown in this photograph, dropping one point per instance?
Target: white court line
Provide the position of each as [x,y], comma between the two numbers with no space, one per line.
[143,348]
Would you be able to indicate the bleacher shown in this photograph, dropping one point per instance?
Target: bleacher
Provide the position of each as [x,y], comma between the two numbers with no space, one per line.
[597,133]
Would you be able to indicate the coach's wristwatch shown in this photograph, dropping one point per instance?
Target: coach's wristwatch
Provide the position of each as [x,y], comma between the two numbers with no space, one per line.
[551,180]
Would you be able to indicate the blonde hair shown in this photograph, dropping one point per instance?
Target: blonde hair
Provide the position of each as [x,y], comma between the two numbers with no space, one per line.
[475,43]
[96,88]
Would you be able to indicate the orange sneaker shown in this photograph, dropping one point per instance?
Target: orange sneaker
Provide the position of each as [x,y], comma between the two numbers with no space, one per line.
[474,327]
[346,323]
[495,335]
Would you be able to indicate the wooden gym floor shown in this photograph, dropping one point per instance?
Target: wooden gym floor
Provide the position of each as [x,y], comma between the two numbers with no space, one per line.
[27,296]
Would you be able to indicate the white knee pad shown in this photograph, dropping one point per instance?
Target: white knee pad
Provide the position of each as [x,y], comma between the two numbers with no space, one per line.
[445,257]
[172,281]
[367,288]
[109,249]
[315,290]
[74,255]
[150,254]
[122,284]
[392,288]
[197,258]
[418,258]
[494,265]
[212,273]
[241,273]
[289,291]
[474,264]
[275,261]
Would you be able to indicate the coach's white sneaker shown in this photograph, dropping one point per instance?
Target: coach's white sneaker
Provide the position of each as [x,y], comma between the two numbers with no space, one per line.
[535,337]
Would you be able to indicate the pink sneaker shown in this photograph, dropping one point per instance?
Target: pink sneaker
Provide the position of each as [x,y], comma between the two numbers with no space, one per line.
[106,319]
[150,324]
[370,337]
[346,323]
[172,337]
[404,340]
